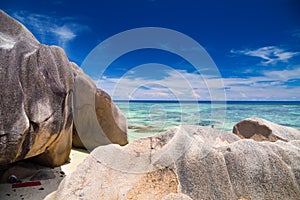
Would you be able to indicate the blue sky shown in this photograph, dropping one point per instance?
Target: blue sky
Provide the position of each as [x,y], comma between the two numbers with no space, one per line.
[254,44]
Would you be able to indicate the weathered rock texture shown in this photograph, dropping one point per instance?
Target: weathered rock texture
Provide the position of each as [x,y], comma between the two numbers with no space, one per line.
[177,196]
[113,124]
[36,84]
[98,121]
[111,120]
[196,162]
[263,130]
[37,89]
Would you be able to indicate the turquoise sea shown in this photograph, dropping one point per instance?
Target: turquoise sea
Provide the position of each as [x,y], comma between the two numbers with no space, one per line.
[147,118]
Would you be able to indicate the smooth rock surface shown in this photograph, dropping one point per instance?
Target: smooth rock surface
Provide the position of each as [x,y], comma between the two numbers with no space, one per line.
[113,123]
[42,96]
[97,120]
[177,196]
[263,130]
[36,84]
[188,160]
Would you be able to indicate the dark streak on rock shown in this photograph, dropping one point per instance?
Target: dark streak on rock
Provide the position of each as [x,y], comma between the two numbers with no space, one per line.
[25,145]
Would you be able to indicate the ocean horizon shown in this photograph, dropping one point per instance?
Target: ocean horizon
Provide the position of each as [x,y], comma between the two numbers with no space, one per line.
[207,101]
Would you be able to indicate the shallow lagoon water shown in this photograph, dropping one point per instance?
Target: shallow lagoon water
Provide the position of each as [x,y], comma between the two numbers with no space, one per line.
[147,118]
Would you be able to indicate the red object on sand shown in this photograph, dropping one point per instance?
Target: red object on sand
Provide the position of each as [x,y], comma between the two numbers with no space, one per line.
[26,184]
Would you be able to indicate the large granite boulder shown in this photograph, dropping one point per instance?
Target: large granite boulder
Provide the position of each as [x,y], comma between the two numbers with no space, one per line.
[98,121]
[263,130]
[36,84]
[195,162]
[41,93]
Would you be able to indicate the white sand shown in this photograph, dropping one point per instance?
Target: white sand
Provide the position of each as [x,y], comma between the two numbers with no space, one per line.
[76,156]
[48,186]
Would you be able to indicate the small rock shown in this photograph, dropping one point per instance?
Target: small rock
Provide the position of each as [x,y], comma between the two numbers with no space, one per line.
[12,179]
[260,129]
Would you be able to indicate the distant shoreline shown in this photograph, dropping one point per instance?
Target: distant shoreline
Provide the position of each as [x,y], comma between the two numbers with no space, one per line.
[214,102]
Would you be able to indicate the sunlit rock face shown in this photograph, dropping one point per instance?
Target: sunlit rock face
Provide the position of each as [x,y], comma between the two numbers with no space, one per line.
[37,93]
[260,129]
[98,121]
[188,162]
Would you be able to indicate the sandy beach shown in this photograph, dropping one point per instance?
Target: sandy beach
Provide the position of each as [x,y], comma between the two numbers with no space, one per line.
[47,186]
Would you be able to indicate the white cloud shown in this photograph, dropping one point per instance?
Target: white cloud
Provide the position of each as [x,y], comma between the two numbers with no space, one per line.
[182,85]
[64,32]
[49,29]
[64,35]
[272,85]
[269,54]
[283,75]
[177,84]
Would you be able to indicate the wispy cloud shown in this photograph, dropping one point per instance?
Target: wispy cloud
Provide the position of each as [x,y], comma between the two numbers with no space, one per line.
[296,33]
[269,54]
[51,29]
[283,75]
[57,2]
[64,34]
[182,85]
[176,84]
[271,85]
